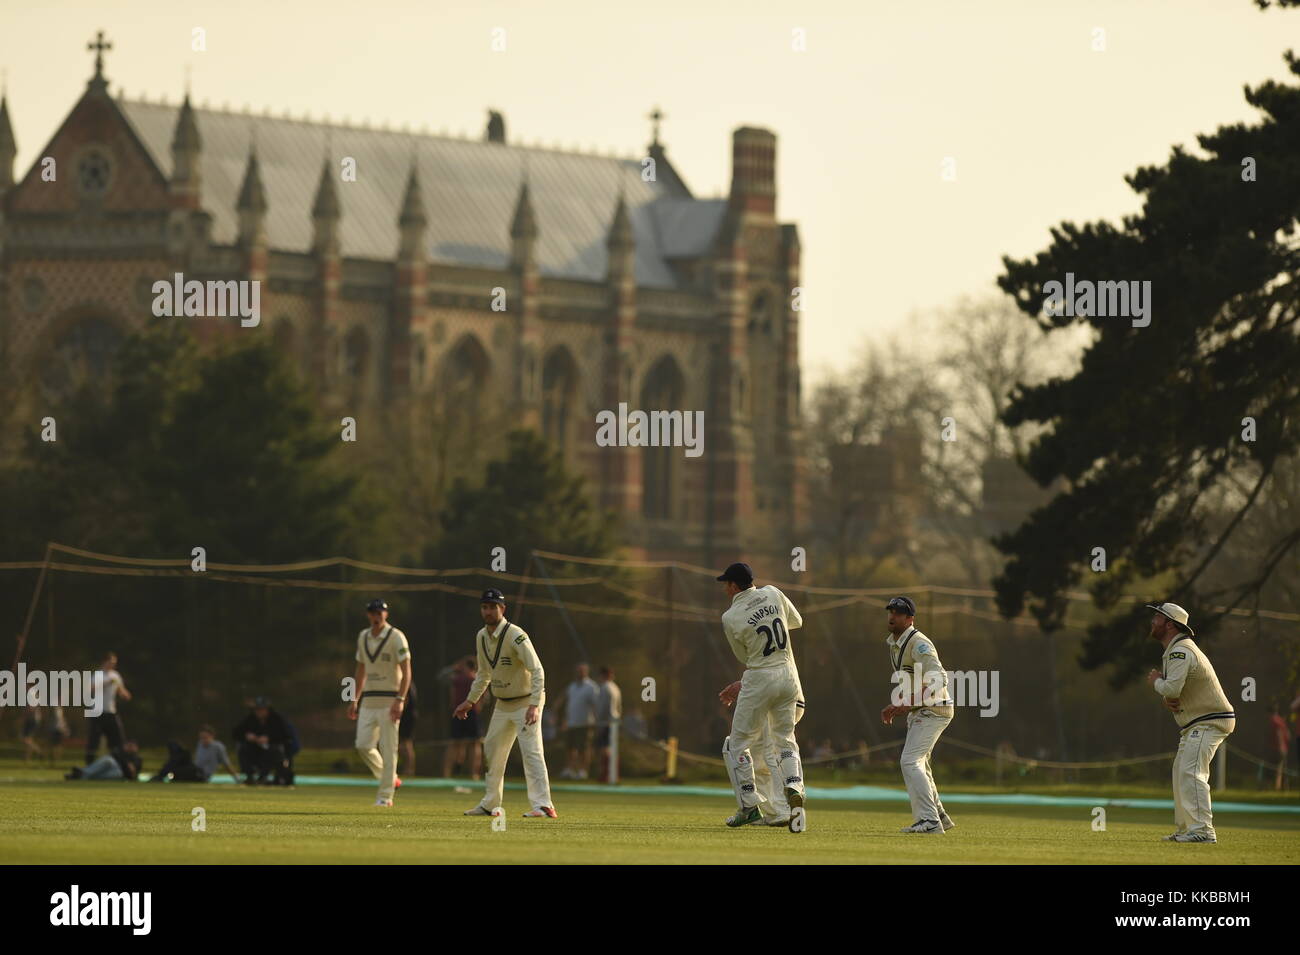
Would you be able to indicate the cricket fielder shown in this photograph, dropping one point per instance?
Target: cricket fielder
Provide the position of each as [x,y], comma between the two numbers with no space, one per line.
[383,679]
[506,658]
[771,797]
[757,626]
[923,685]
[1192,692]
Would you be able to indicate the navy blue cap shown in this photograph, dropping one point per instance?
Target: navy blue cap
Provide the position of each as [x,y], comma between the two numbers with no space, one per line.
[377,604]
[493,596]
[904,604]
[742,575]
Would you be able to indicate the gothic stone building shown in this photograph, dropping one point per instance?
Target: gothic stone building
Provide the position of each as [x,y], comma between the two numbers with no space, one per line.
[618,288]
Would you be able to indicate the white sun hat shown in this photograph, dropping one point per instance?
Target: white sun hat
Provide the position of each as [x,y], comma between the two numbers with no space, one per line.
[1175,613]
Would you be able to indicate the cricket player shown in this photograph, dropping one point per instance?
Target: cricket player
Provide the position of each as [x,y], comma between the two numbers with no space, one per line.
[923,686]
[1192,692]
[506,658]
[383,680]
[757,626]
[771,797]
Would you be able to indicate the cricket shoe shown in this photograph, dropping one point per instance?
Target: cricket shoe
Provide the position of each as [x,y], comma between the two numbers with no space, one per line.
[798,820]
[477,811]
[386,803]
[1171,837]
[777,821]
[1193,837]
[947,823]
[745,817]
[924,826]
[545,812]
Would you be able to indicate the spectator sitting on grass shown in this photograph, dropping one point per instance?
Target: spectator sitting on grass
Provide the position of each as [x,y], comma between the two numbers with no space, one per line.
[209,756]
[266,744]
[121,763]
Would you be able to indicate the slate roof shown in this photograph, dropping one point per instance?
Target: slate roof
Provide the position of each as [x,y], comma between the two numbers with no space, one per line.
[469,187]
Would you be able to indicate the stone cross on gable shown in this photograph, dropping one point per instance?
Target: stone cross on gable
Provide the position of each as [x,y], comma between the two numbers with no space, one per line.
[99,46]
[656,115]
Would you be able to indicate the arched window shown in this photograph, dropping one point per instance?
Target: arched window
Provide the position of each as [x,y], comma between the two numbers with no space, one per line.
[82,353]
[559,397]
[462,380]
[663,390]
[356,355]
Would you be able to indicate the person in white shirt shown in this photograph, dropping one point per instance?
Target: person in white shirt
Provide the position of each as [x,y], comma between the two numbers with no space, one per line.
[772,802]
[508,662]
[923,691]
[1191,691]
[107,725]
[383,679]
[609,713]
[757,626]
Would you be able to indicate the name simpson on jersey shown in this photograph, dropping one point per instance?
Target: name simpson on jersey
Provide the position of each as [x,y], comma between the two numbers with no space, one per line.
[762,613]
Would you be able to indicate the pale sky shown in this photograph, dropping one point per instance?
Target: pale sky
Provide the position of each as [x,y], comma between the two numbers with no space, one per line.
[1042,128]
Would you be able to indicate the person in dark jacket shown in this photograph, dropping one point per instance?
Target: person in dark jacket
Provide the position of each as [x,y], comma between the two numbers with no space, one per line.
[266,742]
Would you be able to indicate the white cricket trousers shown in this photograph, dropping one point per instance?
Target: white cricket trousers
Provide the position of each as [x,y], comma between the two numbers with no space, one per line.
[1196,747]
[765,715]
[923,730]
[375,726]
[506,726]
[772,800]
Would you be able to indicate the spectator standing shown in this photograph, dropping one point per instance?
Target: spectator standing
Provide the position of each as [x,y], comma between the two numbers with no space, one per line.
[465,747]
[609,712]
[1281,744]
[107,724]
[31,727]
[579,722]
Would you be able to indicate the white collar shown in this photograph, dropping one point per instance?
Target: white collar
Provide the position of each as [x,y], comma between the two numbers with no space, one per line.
[741,594]
[896,641]
[500,628]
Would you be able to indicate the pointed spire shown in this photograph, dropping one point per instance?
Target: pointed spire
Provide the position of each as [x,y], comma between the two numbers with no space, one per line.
[7,141]
[186,136]
[524,225]
[413,202]
[326,205]
[8,145]
[252,194]
[620,231]
[186,145]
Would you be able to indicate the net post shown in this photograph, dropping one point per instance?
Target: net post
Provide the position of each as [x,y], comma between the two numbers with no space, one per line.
[612,775]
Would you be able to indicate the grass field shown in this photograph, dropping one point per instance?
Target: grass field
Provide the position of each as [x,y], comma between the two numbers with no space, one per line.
[114,822]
